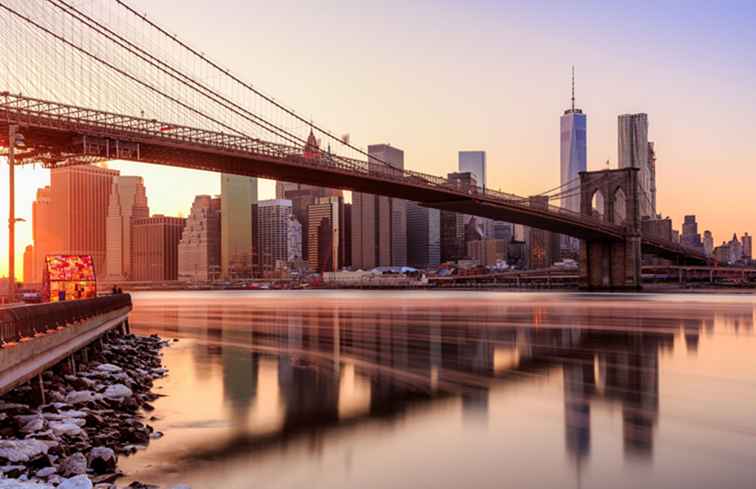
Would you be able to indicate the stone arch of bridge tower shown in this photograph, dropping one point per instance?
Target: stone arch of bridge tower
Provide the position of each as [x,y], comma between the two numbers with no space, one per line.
[612,263]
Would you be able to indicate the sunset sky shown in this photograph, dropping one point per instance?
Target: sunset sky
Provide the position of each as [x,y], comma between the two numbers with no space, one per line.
[433,78]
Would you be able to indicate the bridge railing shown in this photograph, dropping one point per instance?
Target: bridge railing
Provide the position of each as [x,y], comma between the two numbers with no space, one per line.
[28,321]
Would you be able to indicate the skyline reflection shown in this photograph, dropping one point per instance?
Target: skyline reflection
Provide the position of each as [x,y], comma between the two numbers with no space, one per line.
[311,372]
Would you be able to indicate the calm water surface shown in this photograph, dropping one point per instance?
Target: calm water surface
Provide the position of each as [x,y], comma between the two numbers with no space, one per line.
[443,390]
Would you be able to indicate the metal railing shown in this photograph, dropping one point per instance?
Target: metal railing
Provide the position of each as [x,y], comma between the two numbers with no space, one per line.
[17,323]
[53,115]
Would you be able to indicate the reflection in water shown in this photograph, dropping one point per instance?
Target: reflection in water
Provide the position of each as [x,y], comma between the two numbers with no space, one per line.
[320,373]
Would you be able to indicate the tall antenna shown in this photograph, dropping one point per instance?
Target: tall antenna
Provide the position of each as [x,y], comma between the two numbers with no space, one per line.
[573,88]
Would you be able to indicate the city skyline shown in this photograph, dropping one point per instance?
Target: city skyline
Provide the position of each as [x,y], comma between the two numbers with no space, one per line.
[471,124]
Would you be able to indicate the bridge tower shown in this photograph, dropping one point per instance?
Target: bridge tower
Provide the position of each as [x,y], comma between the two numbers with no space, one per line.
[614,196]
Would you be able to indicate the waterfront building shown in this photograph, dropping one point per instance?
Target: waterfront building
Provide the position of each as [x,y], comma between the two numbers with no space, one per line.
[488,252]
[747,242]
[42,232]
[80,198]
[452,236]
[736,249]
[155,247]
[128,201]
[238,193]
[278,236]
[423,236]
[633,152]
[543,247]
[722,254]
[199,247]
[708,243]
[379,223]
[325,221]
[690,236]
[502,230]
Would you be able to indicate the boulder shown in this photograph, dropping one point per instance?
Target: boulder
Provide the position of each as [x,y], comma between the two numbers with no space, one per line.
[67,428]
[78,482]
[74,465]
[46,472]
[80,397]
[109,368]
[22,450]
[117,392]
[102,460]
[14,484]
[36,423]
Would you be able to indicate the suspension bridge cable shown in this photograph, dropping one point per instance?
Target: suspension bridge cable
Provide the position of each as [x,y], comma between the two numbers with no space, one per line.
[178,75]
[246,85]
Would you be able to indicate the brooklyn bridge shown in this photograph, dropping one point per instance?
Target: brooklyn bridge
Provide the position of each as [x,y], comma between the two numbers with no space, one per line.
[90,84]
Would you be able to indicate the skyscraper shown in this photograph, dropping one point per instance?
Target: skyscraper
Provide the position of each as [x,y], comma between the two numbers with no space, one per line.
[452,236]
[42,231]
[423,236]
[155,245]
[652,175]
[80,197]
[633,152]
[573,160]
[128,201]
[708,243]
[199,248]
[278,235]
[379,224]
[690,236]
[747,241]
[543,246]
[573,151]
[474,162]
[324,224]
[238,193]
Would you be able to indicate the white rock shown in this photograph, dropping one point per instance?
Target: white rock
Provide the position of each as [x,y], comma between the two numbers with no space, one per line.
[78,482]
[21,450]
[46,472]
[117,392]
[80,397]
[61,428]
[14,484]
[109,367]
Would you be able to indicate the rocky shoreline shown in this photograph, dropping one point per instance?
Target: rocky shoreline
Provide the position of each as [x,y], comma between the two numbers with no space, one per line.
[91,416]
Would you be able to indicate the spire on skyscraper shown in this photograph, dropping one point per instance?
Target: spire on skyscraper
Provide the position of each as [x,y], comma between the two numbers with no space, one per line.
[573,88]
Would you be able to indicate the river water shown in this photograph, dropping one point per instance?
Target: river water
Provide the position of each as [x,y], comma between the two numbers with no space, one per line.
[335,389]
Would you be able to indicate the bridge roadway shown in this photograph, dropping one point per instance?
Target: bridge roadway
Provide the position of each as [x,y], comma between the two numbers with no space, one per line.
[60,134]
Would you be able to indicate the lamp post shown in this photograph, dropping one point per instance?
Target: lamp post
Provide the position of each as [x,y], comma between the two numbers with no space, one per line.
[14,138]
